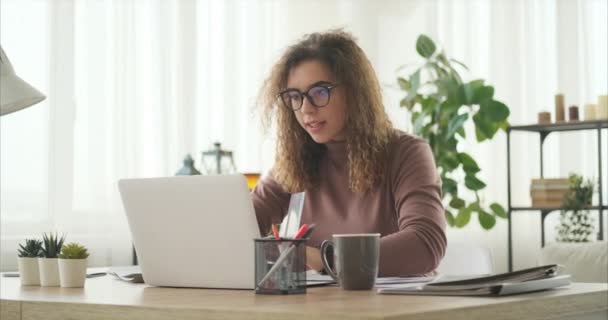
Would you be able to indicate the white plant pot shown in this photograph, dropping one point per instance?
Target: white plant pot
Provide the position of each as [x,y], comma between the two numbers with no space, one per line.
[28,271]
[72,272]
[49,272]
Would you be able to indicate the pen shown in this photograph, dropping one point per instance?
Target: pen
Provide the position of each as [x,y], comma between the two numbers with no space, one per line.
[308,231]
[305,230]
[275,231]
[301,232]
[298,235]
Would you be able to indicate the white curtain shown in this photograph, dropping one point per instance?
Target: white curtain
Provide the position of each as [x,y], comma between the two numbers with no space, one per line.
[135,85]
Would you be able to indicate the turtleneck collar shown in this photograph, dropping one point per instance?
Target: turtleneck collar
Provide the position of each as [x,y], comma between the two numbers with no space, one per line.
[336,152]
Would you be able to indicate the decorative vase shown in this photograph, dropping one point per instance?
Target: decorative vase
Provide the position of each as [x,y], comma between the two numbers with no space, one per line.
[49,272]
[29,273]
[72,272]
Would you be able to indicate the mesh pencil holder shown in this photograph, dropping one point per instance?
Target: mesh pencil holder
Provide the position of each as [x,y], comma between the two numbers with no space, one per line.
[280,266]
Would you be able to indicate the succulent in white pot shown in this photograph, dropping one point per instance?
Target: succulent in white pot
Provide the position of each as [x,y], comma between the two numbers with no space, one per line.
[73,265]
[49,268]
[28,262]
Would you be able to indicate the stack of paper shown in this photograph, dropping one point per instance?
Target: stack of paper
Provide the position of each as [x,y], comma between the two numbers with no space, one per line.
[527,280]
[313,277]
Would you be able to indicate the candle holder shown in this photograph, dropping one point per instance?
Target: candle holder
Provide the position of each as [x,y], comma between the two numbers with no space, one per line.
[221,159]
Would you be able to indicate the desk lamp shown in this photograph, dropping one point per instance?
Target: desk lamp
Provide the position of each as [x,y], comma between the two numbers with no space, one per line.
[15,94]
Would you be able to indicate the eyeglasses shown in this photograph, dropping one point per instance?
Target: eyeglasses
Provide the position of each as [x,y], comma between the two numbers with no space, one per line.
[317,95]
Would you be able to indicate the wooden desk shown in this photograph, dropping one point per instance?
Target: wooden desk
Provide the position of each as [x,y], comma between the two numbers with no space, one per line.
[107,298]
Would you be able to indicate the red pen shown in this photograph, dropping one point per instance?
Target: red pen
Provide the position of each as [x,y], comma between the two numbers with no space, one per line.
[302,231]
[275,231]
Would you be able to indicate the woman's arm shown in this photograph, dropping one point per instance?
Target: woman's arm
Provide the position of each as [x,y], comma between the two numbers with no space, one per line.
[419,245]
[270,202]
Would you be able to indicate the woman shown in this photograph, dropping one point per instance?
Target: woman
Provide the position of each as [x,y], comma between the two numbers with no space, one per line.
[336,143]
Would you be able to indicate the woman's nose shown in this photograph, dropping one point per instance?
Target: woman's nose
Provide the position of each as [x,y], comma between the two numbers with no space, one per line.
[307,107]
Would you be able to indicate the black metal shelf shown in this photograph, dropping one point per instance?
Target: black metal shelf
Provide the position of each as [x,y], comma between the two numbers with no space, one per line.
[544,130]
[562,126]
[554,208]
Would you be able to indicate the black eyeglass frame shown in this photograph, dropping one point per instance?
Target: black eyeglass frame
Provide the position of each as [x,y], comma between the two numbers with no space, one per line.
[328,86]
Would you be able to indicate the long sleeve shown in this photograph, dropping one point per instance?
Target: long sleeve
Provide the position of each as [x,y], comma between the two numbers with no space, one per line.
[420,243]
[270,202]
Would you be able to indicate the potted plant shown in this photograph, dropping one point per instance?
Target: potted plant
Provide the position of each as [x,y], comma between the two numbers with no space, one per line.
[28,262]
[575,223]
[441,105]
[49,269]
[73,265]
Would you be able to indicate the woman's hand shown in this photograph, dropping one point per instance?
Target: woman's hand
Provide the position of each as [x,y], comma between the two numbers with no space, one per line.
[313,259]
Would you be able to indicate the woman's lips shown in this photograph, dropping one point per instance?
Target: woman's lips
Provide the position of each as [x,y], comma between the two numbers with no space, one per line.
[315,126]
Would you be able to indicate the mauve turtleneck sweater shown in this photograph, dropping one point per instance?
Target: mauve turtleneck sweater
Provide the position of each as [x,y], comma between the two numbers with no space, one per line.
[405,208]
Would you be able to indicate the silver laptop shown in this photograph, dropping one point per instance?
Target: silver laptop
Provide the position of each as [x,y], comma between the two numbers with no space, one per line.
[192,231]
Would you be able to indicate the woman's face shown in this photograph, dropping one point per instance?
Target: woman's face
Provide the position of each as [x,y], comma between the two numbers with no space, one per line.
[327,120]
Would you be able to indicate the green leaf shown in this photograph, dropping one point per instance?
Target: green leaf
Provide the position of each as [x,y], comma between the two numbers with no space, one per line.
[504,125]
[498,210]
[449,186]
[468,163]
[483,94]
[461,132]
[448,108]
[451,89]
[449,162]
[414,83]
[441,71]
[51,244]
[425,46]
[471,182]
[485,129]
[441,58]
[428,104]
[418,123]
[463,217]
[449,217]
[409,104]
[470,90]
[425,131]
[460,64]
[450,70]
[474,206]
[494,111]
[486,220]
[457,203]
[456,123]
[415,116]
[403,84]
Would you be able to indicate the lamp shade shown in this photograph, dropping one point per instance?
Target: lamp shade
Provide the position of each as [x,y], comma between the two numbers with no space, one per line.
[15,94]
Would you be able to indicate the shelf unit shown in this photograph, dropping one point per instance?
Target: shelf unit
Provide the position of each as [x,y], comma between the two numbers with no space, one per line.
[544,130]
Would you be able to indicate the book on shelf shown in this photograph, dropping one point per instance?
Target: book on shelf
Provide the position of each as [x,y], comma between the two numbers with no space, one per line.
[550,181]
[550,184]
[521,281]
[546,204]
[548,195]
[548,188]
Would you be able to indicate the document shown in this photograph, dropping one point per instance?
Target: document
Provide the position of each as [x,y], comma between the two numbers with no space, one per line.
[381,282]
[127,273]
[527,280]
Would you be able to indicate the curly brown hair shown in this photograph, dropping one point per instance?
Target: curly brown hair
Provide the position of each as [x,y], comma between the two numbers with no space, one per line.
[368,128]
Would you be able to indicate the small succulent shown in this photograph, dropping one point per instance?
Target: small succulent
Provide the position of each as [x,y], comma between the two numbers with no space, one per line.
[73,251]
[32,249]
[52,244]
